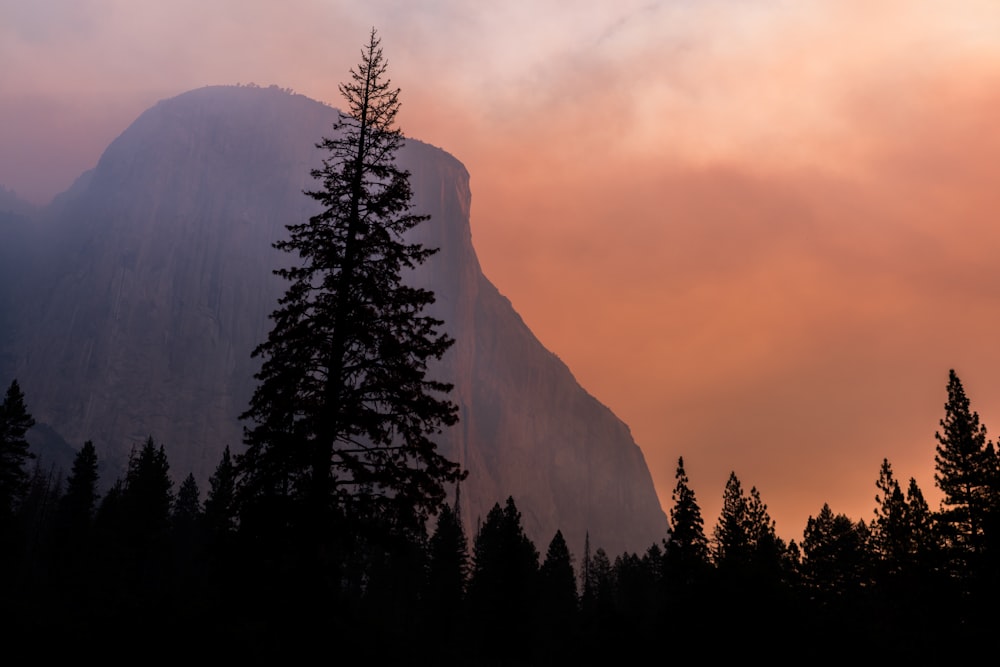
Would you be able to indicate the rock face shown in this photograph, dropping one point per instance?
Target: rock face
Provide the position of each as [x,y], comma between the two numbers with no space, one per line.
[154,283]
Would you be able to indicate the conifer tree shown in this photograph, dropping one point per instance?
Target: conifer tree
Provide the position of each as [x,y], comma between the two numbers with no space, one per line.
[557,582]
[147,498]
[746,545]
[731,539]
[15,421]
[965,472]
[890,530]
[342,422]
[687,548]
[448,564]
[77,506]
[187,506]
[219,510]
[503,584]
[834,551]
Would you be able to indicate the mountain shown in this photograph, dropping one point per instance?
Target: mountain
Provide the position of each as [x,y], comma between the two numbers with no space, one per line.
[152,282]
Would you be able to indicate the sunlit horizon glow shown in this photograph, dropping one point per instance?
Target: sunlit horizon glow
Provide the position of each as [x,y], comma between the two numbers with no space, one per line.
[760,232]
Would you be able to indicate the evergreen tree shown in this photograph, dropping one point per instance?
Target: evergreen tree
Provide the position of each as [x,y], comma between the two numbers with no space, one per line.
[557,583]
[748,553]
[732,547]
[890,528]
[965,473]
[448,565]
[219,510]
[687,551]
[73,540]
[834,550]
[502,588]
[186,511]
[147,499]
[14,454]
[342,421]
[78,504]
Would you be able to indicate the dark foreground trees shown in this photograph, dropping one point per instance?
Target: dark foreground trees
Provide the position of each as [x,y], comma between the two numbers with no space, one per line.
[15,420]
[340,430]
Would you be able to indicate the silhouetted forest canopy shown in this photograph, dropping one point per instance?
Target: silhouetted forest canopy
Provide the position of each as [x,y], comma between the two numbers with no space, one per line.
[151,559]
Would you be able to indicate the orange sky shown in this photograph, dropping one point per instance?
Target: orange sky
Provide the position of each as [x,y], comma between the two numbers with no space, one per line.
[760,232]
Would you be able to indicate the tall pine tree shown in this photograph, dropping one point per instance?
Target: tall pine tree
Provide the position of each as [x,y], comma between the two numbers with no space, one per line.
[342,423]
[15,420]
[687,543]
[965,472]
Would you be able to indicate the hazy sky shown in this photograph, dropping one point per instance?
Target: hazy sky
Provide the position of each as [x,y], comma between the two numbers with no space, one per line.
[760,231]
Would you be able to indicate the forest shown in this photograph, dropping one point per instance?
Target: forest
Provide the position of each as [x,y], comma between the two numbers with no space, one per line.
[166,565]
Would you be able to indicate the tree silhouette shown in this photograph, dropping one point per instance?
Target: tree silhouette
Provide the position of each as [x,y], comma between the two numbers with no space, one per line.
[14,454]
[448,566]
[503,585]
[732,546]
[834,550]
[342,421]
[965,466]
[557,584]
[890,528]
[74,521]
[687,552]
[219,510]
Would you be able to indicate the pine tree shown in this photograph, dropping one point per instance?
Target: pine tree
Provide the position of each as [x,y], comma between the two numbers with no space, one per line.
[448,565]
[342,421]
[147,498]
[732,546]
[557,583]
[687,549]
[219,510]
[186,512]
[834,550]
[77,506]
[15,421]
[890,529]
[502,587]
[747,549]
[965,466]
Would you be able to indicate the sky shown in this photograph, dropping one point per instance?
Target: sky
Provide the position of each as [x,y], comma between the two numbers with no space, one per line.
[760,231]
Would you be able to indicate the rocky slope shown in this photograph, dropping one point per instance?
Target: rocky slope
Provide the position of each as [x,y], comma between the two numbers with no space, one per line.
[154,284]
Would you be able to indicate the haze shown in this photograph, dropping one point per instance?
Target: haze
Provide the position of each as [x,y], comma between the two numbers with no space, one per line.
[760,232]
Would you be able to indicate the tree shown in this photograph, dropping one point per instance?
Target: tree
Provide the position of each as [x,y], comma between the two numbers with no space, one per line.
[186,512]
[502,588]
[965,466]
[218,510]
[79,502]
[147,499]
[557,585]
[746,545]
[14,454]
[75,512]
[448,564]
[834,552]
[342,421]
[687,549]
[731,541]
[890,529]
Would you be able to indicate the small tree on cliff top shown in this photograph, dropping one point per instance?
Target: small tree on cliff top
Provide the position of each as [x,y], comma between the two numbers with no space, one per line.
[341,423]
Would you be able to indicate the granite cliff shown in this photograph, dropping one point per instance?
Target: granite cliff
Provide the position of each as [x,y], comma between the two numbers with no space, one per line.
[151,283]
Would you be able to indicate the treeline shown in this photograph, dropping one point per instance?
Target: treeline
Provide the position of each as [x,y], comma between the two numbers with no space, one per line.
[150,563]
